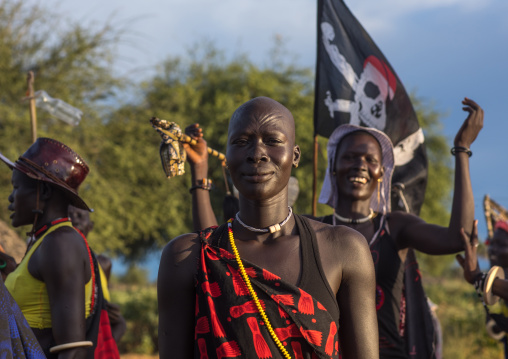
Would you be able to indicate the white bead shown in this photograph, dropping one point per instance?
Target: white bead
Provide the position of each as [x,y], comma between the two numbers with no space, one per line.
[274,228]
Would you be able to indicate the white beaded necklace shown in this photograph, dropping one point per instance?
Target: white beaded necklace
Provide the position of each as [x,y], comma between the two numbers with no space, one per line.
[352,220]
[272,229]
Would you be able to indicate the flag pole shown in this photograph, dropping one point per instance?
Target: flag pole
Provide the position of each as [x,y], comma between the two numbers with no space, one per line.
[314,177]
[33,115]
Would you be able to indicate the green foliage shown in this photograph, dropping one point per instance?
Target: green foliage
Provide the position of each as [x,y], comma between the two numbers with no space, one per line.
[437,204]
[139,308]
[136,207]
[134,276]
[462,319]
[203,88]
[70,61]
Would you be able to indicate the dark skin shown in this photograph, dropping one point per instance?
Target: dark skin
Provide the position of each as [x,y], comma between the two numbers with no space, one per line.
[358,158]
[261,152]
[61,262]
[469,262]
[81,220]
[358,169]
[359,155]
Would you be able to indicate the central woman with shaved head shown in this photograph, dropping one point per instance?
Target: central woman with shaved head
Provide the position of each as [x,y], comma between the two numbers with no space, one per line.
[269,283]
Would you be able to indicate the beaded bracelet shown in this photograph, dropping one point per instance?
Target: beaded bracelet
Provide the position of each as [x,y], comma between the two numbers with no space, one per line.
[458,149]
[205,183]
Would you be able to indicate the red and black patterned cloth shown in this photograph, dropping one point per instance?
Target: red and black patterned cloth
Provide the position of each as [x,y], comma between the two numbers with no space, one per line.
[228,324]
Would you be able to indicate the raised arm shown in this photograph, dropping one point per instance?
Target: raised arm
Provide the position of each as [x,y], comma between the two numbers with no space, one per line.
[197,156]
[176,297]
[358,330]
[64,266]
[433,239]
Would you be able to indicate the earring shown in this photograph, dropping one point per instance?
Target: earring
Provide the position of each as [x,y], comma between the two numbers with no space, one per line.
[295,165]
[379,180]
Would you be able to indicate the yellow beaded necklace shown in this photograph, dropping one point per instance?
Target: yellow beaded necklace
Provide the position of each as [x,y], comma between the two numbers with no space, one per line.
[253,293]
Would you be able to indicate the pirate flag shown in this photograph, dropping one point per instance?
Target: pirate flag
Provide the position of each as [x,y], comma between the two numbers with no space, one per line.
[355,84]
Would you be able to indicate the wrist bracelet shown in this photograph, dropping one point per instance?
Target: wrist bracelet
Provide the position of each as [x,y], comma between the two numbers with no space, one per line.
[58,348]
[458,149]
[3,265]
[205,183]
[494,272]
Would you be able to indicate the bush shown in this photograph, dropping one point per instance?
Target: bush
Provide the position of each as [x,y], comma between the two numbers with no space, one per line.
[462,318]
[139,308]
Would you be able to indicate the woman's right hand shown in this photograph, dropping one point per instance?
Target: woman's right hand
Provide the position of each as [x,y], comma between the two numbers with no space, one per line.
[471,126]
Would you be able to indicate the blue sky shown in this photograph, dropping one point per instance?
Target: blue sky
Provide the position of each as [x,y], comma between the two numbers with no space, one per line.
[441,49]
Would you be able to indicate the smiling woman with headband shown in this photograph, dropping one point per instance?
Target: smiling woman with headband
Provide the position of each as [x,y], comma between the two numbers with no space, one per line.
[55,283]
[357,187]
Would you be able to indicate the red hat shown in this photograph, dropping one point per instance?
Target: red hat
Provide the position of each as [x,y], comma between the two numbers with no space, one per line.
[51,161]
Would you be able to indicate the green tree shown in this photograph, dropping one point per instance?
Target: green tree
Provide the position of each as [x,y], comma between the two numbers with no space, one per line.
[71,61]
[136,207]
[437,205]
[202,88]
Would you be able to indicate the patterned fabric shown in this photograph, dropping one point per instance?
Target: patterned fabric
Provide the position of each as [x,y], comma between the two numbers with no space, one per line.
[228,324]
[16,338]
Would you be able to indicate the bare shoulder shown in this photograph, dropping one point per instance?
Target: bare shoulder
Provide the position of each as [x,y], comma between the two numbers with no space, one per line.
[65,245]
[341,235]
[340,241]
[180,258]
[180,249]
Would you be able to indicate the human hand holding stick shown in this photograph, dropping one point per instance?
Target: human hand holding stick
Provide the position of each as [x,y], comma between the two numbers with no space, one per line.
[171,133]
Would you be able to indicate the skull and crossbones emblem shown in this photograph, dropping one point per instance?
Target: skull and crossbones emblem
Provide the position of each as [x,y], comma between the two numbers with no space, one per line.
[373,87]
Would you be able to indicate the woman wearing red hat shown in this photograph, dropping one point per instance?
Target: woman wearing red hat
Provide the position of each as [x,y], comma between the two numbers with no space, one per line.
[54,285]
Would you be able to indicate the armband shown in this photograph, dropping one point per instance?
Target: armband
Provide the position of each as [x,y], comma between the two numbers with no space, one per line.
[458,149]
[59,348]
[205,184]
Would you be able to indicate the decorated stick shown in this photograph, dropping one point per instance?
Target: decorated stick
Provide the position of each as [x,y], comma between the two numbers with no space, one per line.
[164,127]
[172,153]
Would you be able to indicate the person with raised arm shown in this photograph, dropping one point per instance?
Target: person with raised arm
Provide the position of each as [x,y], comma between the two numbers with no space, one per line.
[357,186]
[269,283]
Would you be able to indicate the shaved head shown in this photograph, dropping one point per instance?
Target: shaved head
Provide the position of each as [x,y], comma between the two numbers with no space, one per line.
[264,109]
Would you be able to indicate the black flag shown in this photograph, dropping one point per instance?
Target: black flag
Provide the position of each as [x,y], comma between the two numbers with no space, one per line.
[356,84]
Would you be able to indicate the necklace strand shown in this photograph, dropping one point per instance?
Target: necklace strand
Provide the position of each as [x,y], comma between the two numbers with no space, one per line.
[272,229]
[253,293]
[353,220]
